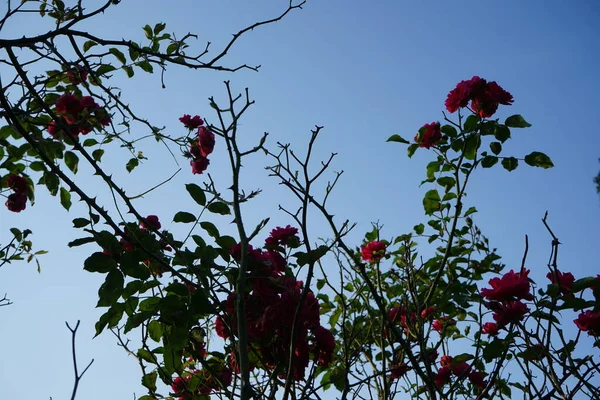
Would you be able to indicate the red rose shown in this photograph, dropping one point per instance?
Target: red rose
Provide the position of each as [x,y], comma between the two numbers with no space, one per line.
[477,379]
[399,370]
[429,135]
[589,322]
[282,236]
[427,312]
[485,102]
[460,369]
[191,122]
[206,141]
[17,183]
[151,221]
[446,361]
[489,328]
[563,281]
[442,377]
[373,251]
[221,329]
[439,324]
[16,202]
[88,103]
[512,286]
[511,311]
[68,105]
[77,75]
[55,130]
[199,165]
[461,95]
[324,345]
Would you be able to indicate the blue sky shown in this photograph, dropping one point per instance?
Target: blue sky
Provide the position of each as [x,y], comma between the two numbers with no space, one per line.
[365,70]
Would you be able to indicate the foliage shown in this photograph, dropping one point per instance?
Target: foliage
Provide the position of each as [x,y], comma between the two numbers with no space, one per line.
[410,313]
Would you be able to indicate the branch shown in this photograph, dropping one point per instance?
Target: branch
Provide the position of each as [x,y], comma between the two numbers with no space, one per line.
[78,376]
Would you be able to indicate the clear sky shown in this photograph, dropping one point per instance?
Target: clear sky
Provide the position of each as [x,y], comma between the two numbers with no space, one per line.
[365,70]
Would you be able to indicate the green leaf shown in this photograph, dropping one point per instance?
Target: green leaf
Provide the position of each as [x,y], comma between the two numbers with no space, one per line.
[51,181]
[494,349]
[90,142]
[184,217]
[471,123]
[150,305]
[148,31]
[88,45]
[158,28]
[219,208]
[149,380]
[197,193]
[37,166]
[111,289]
[449,130]
[146,66]
[155,330]
[72,161]
[471,146]
[65,198]
[411,149]
[496,147]
[516,121]
[99,262]
[131,164]
[431,201]
[510,163]
[470,211]
[80,222]
[537,159]
[81,241]
[97,155]
[398,139]
[502,133]
[419,229]
[432,168]
[146,356]
[584,283]
[210,228]
[118,54]
[105,69]
[128,70]
[489,161]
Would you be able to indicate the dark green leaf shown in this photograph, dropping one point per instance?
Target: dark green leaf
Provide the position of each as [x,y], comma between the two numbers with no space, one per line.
[449,130]
[419,229]
[493,350]
[412,148]
[496,147]
[105,69]
[471,146]
[155,330]
[88,45]
[90,142]
[397,138]
[431,201]
[80,222]
[145,65]
[131,164]
[146,356]
[51,181]
[128,70]
[81,241]
[118,54]
[510,163]
[502,133]
[111,289]
[219,208]
[197,193]
[150,305]
[584,283]
[184,217]
[97,154]
[470,211]
[37,166]
[149,380]
[72,161]
[489,161]
[148,31]
[158,28]
[99,262]
[471,123]
[65,198]
[516,121]
[537,159]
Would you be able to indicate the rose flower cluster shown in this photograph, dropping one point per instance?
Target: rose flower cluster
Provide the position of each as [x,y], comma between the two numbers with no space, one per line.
[202,146]
[17,201]
[77,115]
[271,305]
[484,98]
[505,298]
